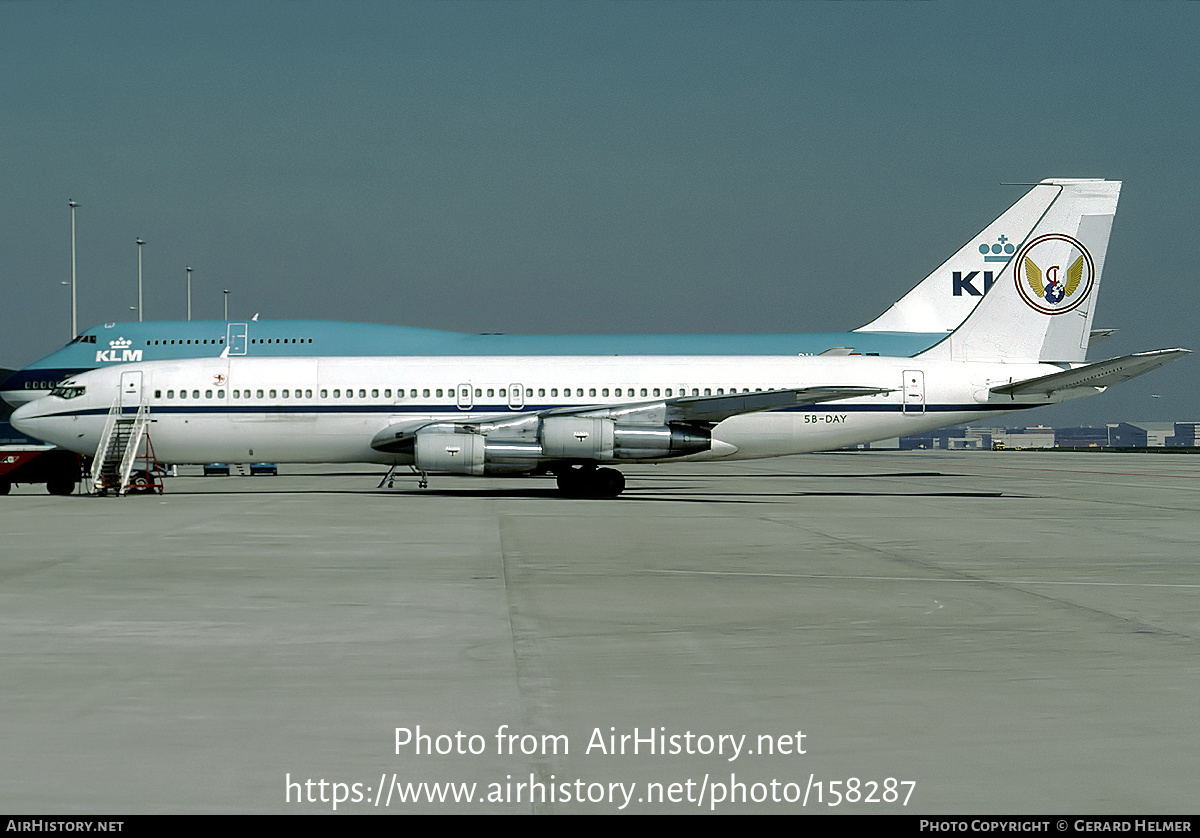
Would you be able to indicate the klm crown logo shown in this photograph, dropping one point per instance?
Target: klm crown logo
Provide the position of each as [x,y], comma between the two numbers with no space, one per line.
[1001,251]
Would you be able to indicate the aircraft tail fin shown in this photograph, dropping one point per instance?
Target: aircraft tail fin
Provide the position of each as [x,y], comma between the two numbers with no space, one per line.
[1042,302]
[941,301]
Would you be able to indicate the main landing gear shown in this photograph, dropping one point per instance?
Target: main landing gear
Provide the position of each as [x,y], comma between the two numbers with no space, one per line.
[590,482]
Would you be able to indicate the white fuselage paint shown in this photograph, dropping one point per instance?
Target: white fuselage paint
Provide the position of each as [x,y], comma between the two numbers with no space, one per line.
[317,421]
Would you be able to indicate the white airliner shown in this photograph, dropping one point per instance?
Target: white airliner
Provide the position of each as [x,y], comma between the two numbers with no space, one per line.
[577,415]
[920,319]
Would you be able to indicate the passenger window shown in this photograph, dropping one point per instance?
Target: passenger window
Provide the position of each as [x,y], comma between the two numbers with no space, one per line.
[362,394]
[491,393]
[285,393]
[541,391]
[337,394]
[324,394]
[439,393]
[708,391]
[183,394]
[425,393]
[220,394]
[308,394]
[158,394]
[604,392]
[272,394]
[258,394]
[478,393]
[170,394]
[208,394]
[656,391]
[592,391]
[644,391]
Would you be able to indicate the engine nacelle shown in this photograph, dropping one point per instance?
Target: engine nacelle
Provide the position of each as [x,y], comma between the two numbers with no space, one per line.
[645,442]
[584,438]
[450,452]
[577,438]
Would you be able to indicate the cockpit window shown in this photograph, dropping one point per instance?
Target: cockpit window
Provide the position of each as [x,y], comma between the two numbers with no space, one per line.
[68,391]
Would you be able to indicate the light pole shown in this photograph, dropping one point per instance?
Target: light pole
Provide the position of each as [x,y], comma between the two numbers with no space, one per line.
[139,244]
[226,304]
[74,324]
[189,291]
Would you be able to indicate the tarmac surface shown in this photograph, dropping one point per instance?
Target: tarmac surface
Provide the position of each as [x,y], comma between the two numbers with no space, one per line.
[970,633]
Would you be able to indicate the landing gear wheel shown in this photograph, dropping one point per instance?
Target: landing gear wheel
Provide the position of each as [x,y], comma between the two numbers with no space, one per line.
[568,481]
[608,483]
[4,488]
[59,487]
[590,482]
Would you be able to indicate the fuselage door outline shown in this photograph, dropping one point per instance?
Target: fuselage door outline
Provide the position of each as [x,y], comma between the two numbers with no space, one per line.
[914,391]
[465,400]
[235,338]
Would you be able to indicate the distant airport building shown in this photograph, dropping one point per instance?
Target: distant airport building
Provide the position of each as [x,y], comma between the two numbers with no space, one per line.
[1157,433]
[1112,435]
[1186,434]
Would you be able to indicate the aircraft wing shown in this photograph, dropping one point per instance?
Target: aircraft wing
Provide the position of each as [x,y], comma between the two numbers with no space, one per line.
[716,408]
[699,410]
[1098,375]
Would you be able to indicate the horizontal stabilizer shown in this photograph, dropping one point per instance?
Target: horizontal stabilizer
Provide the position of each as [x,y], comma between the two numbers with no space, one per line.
[1102,374]
[1097,335]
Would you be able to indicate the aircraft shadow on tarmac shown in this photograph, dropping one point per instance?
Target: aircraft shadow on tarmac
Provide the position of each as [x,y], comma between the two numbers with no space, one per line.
[659,488]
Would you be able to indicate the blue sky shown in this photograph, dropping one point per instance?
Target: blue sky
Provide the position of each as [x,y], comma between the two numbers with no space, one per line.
[585,167]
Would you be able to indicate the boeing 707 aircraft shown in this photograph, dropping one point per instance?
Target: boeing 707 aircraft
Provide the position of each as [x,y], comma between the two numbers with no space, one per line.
[578,415]
[925,315]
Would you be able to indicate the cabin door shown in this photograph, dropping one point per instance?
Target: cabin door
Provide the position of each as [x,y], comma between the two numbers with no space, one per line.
[914,391]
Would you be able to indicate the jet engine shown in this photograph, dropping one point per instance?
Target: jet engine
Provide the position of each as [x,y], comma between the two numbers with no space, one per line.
[577,439]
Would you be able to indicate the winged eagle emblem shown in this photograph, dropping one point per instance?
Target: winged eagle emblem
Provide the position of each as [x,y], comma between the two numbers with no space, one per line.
[1051,288]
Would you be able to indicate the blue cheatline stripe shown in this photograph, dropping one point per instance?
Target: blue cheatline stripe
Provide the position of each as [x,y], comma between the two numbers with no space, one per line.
[445,410]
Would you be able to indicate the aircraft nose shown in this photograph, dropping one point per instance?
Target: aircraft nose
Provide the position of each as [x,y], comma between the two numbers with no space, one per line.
[28,419]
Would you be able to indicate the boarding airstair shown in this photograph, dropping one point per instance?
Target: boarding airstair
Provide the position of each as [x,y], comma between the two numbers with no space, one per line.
[125,442]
